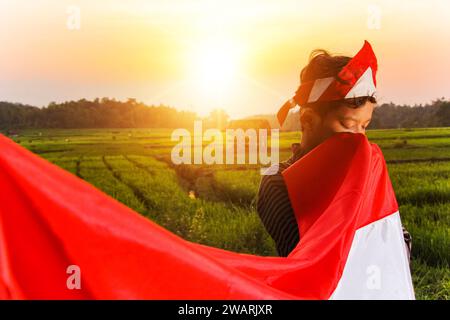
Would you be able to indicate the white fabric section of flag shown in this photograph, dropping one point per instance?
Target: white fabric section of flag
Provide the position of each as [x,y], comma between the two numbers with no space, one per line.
[319,87]
[364,86]
[377,266]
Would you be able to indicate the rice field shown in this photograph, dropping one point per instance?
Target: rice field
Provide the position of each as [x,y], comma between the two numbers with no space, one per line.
[215,204]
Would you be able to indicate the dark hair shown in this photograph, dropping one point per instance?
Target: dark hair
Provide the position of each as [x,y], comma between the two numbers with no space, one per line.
[322,65]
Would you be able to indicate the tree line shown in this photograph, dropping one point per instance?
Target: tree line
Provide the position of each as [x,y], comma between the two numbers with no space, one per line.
[111,113]
[99,113]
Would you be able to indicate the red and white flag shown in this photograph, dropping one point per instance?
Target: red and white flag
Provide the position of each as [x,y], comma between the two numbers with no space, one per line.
[53,224]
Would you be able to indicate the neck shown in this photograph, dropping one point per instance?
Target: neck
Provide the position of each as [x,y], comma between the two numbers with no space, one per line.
[300,152]
[306,145]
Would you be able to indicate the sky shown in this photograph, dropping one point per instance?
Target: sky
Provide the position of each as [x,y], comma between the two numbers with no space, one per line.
[242,56]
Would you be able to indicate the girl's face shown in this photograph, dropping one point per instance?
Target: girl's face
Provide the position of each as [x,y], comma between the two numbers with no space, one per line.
[340,119]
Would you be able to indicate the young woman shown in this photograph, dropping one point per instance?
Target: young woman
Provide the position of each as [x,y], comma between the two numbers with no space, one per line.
[319,119]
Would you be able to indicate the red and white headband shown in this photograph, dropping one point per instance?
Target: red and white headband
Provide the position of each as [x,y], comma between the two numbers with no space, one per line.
[356,79]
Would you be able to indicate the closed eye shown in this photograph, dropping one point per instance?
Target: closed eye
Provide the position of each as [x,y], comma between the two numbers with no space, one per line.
[346,125]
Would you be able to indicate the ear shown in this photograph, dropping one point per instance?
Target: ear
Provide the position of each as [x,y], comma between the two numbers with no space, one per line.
[307,119]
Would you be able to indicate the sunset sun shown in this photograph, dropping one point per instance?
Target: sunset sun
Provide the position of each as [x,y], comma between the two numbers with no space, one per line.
[213,68]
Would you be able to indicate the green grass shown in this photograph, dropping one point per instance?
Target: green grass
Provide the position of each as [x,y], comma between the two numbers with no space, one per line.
[215,205]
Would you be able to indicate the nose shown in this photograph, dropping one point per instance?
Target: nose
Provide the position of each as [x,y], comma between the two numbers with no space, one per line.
[360,129]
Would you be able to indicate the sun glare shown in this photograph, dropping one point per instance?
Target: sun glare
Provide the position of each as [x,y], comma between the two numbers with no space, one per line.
[213,68]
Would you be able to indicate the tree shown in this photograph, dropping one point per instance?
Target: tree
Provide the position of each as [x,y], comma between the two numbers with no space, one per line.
[218,119]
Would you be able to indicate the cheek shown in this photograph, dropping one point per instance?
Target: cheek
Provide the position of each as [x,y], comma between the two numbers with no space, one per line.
[325,131]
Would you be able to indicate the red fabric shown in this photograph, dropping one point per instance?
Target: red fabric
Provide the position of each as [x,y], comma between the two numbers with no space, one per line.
[301,96]
[50,219]
[350,74]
